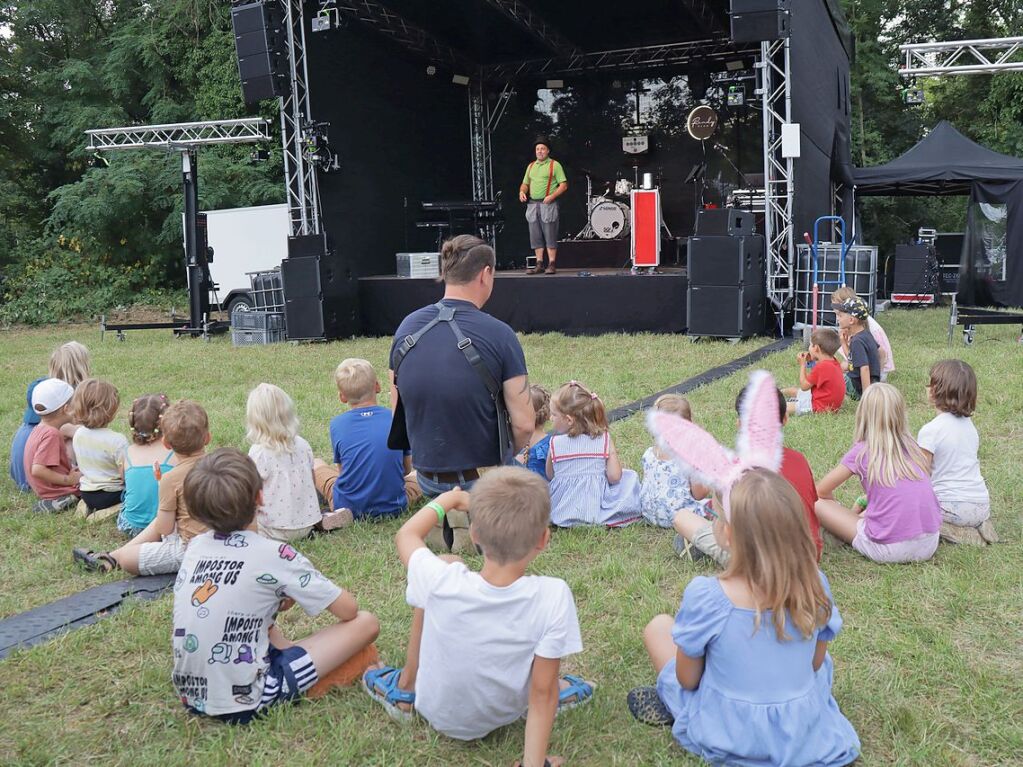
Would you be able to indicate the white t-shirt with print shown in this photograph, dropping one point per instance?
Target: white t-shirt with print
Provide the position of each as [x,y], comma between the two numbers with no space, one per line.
[289,493]
[479,641]
[955,471]
[226,596]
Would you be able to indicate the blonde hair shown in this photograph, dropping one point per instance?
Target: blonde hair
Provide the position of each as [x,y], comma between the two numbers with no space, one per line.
[510,509]
[674,403]
[70,363]
[842,294]
[771,549]
[540,399]
[954,387]
[356,379]
[881,425]
[95,403]
[587,411]
[271,418]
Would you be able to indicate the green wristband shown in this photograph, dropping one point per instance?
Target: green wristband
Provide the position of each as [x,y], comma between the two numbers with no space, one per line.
[861,502]
[439,509]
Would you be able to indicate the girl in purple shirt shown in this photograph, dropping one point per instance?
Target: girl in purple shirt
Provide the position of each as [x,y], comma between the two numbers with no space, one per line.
[901,519]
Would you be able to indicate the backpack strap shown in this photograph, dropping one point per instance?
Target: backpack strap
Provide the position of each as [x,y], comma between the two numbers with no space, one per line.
[411,340]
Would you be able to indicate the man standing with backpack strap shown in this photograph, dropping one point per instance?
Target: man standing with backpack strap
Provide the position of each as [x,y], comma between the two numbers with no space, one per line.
[541,187]
[458,381]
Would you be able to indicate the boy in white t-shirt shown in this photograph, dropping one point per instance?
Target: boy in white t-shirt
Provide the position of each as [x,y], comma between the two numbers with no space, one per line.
[486,647]
[231,661]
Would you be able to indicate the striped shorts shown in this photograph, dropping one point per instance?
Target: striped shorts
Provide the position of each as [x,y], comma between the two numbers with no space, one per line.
[291,672]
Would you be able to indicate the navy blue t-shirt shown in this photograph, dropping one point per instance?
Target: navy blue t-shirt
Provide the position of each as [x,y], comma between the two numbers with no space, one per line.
[863,350]
[372,480]
[451,419]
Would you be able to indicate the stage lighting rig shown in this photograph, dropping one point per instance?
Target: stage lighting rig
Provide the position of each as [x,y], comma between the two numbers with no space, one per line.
[326,17]
[736,96]
[99,161]
[259,155]
[317,147]
[914,96]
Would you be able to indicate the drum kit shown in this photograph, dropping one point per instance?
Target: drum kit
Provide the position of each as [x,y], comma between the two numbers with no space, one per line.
[608,213]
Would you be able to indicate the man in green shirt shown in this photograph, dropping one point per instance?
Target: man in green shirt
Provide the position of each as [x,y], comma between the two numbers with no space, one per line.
[541,187]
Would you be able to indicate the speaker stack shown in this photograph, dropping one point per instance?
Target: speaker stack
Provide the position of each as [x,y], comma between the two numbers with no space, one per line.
[756,21]
[261,43]
[320,297]
[916,275]
[726,276]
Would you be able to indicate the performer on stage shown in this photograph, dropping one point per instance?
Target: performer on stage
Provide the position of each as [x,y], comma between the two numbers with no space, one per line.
[541,187]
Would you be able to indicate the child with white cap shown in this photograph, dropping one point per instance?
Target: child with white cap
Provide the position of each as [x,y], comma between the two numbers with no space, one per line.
[47,465]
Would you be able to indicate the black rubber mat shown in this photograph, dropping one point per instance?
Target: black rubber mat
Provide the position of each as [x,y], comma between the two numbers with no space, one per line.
[36,626]
[706,377]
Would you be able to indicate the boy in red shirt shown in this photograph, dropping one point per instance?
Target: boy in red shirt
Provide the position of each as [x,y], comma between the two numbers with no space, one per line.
[822,387]
[47,464]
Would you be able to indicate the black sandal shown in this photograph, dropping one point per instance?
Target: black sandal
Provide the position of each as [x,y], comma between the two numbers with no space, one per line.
[646,705]
[97,561]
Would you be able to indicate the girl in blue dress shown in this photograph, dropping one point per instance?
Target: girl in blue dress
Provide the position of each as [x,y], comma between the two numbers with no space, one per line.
[534,455]
[743,672]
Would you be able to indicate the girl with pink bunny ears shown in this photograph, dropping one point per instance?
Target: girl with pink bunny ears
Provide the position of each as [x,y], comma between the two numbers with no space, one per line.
[743,672]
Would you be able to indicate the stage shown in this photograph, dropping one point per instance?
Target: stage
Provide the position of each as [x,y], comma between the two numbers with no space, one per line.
[572,301]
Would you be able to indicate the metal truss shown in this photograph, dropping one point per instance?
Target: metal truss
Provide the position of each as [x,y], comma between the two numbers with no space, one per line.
[646,57]
[250,130]
[520,12]
[299,174]
[776,99]
[390,24]
[963,57]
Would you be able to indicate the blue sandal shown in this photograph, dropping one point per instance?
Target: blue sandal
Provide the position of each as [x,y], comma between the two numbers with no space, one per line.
[382,686]
[578,693]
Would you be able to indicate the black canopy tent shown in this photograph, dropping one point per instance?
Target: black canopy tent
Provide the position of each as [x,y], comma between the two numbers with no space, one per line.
[946,162]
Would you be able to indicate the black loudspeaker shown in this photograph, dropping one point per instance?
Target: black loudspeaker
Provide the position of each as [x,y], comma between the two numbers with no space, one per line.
[320,297]
[916,270]
[725,312]
[755,21]
[733,222]
[726,261]
[261,43]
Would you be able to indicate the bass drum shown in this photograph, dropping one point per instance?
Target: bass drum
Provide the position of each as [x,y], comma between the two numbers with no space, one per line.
[610,220]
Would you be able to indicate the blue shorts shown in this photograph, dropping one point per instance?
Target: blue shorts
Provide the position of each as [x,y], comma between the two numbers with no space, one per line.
[291,672]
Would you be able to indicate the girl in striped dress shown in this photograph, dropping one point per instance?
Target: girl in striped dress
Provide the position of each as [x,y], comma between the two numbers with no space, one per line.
[588,484]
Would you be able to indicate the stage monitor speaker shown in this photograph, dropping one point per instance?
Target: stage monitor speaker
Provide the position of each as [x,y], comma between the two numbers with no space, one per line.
[261,45]
[725,312]
[726,261]
[320,299]
[733,222]
[760,26]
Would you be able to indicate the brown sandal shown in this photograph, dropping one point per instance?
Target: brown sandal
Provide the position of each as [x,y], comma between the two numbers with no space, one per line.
[551,270]
[91,560]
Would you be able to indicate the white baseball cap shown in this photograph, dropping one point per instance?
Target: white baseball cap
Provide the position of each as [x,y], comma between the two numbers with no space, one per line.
[50,395]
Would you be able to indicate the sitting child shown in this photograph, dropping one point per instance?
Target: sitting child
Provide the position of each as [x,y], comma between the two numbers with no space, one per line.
[68,363]
[368,479]
[534,454]
[161,546]
[858,346]
[486,647]
[743,671]
[99,449]
[588,484]
[697,537]
[950,442]
[845,293]
[902,516]
[822,387]
[665,489]
[47,463]
[290,509]
[231,661]
[145,461]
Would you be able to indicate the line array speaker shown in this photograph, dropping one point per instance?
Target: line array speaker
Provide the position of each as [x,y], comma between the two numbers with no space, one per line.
[728,261]
[726,296]
[261,44]
[320,296]
[755,21]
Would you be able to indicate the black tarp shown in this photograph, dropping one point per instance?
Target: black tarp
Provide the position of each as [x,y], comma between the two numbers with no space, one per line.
[946,162]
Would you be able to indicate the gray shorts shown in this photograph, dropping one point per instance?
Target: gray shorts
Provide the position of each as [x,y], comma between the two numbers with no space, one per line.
[161,557]
[543,224]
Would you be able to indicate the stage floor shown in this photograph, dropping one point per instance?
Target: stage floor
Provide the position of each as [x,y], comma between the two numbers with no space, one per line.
[572,301]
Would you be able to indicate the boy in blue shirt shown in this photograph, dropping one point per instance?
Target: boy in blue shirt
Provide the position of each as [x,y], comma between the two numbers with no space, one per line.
[368,478]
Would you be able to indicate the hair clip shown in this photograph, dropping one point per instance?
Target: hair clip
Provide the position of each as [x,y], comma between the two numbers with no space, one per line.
[593,395]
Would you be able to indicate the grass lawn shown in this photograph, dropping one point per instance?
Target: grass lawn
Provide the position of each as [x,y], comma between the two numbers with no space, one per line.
[929,667]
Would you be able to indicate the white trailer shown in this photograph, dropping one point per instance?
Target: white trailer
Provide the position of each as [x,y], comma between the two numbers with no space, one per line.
[244,240]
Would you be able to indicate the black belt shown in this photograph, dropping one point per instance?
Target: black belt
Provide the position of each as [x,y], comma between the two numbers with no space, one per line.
[447,477]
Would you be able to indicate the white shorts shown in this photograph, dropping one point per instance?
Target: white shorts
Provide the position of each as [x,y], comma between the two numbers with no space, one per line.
[965,513]
[284,534]
[163,557]
[804,402]
[918,549]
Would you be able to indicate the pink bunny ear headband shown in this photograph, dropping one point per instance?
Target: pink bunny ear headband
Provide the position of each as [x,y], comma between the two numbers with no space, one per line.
[700,455]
